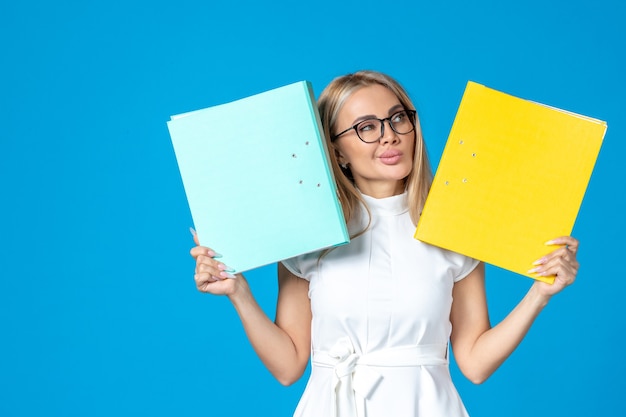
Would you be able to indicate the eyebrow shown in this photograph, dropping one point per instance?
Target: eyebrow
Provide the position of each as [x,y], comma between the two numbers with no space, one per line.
[391,111]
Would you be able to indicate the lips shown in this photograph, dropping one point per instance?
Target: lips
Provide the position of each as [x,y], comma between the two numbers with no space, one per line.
[390,157]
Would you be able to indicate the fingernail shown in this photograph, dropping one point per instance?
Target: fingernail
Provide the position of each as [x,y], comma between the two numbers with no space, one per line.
[533,270]
[226,274]
[226,268]
[213,254]
[193,231]
[539,261]
[551,242]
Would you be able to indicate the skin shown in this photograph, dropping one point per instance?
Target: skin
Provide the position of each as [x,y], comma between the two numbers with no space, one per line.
[371,175]
[284,344]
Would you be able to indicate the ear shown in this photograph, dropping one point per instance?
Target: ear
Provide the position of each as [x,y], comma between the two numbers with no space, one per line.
[339,156]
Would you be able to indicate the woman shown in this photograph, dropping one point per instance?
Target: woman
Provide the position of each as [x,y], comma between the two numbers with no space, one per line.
[375,316]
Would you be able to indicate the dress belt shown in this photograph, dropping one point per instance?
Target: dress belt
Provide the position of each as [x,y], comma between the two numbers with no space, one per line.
[355,380]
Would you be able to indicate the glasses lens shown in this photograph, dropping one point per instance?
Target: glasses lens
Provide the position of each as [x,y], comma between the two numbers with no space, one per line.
[401,122]
[369,130]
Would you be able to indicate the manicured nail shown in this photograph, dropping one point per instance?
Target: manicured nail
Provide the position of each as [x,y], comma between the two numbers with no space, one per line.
[193,231]
[226,274]
[226,268]
[533,270]
[539,261]
[213,254]
[551,242]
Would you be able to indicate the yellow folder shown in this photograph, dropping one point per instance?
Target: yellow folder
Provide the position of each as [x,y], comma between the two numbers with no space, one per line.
[511,177]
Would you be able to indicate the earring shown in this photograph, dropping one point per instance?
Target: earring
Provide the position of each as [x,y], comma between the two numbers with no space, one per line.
[344,166]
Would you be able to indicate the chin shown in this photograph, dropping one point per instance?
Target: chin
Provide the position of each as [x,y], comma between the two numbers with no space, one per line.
[401,173]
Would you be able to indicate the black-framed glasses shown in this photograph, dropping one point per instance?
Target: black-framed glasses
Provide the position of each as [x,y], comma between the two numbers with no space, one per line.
[371,130]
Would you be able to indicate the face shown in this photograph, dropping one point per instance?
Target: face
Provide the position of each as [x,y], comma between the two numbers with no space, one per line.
[378,168]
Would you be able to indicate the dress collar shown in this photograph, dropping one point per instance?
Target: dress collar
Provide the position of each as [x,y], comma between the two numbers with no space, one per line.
[388,206]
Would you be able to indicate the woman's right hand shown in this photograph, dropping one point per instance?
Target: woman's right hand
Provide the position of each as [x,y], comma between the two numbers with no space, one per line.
[284,345]
[211,276]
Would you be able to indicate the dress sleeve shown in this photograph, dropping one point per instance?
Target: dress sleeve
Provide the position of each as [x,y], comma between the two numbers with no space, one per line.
[466,266]
[293,266]
[303,266]
[458,266]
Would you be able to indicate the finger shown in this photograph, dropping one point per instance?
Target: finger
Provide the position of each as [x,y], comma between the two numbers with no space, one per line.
[568,243]
[204,251]
[207,282]
[204,280]
[199,251]
[195,235]
[565,275]
[207,265]
[553,260]
[572,247]
[568,252]
[209,270]
[560,267]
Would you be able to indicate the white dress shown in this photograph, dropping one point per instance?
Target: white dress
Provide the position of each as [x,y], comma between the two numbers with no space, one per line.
[381,321]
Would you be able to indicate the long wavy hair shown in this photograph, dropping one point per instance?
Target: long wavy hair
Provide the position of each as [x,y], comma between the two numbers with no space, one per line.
[330,102]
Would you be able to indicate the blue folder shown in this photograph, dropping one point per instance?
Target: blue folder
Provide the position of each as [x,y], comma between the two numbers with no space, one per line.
[257,177]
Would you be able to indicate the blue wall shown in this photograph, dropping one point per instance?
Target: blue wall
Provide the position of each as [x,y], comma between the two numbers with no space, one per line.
[99,315]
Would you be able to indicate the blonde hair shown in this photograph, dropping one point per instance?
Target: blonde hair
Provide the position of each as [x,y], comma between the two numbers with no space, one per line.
[330,102]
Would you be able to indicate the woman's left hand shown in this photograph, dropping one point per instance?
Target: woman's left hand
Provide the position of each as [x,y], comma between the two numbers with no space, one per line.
[561,264]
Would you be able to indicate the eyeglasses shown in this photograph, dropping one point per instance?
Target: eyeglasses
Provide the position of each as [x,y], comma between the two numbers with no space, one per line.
[371,130]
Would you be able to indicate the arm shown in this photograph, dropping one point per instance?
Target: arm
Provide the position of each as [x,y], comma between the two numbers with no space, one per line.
[284,345]
[480,349]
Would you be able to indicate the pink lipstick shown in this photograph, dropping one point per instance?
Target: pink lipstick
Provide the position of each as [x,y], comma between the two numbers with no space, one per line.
[390,157]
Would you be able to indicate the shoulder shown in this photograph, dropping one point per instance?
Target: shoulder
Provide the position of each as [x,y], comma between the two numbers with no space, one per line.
[302,265]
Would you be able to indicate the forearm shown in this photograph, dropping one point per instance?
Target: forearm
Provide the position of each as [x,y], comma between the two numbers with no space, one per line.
[495,345]
[272,344]
[283,346]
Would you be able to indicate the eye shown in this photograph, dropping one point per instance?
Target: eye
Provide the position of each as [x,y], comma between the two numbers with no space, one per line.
[366,126]
[399,117]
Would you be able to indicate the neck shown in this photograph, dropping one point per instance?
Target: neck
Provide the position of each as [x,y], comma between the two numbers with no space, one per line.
[381,189]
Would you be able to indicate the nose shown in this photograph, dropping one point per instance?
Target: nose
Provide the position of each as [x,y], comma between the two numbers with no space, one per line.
[388,135]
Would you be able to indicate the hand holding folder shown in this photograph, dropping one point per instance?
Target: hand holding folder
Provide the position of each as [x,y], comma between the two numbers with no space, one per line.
[512,177]
[257,177]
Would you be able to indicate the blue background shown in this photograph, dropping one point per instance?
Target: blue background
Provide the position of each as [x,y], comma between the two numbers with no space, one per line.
[99,314]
